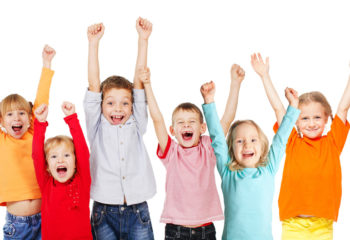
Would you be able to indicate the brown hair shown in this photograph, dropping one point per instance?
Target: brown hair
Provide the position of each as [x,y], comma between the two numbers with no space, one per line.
[187,106]
[117,82]
[15,102]
[316,97]
[233,165]
[55,141]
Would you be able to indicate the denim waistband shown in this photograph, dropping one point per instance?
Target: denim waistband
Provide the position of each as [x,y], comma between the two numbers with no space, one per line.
[188,232]
[121,207]
[33,219]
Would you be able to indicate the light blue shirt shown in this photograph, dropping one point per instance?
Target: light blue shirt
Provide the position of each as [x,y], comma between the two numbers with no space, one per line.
[119,162]
[248,193]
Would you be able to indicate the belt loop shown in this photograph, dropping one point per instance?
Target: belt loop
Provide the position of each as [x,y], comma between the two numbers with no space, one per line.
[203,232]
[134,208]
[178,233]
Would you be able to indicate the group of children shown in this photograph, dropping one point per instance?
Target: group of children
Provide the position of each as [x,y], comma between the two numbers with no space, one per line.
[46,185]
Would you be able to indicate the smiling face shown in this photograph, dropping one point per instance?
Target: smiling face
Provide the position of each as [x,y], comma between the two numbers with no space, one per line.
[117,105]
[187,128]
[61,162]
[16,122]
[312,119]
[247,145]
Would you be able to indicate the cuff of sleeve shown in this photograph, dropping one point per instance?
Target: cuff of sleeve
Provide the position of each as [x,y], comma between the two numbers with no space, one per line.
[47,71]
[159,151]
[93,96]
[207,107]
[293,113]
[44,124]
[70,117]
[139,95]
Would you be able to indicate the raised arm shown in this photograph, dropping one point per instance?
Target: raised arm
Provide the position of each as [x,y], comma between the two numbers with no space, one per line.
[38,154]
[94,33]
[344,103]
[144,30]
[262,69]
[156,115]
[81,149]
[237,76]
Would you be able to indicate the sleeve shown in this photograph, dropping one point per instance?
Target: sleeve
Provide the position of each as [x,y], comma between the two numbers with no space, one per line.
[165,156]
[82,154]
[92,109]
[38,154]
[43,92]
[217,136]
[140,109]
[280,140]
[339,132]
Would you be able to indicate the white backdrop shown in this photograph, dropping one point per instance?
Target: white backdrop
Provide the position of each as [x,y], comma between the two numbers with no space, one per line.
[192,42]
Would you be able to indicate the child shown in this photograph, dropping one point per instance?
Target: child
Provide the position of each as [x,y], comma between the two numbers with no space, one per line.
[19,190]
[192,200]
[121,172]
[247,168]
[63,174]
[311,185]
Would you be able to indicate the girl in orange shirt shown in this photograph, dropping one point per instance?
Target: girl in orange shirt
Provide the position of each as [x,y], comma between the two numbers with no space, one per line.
[311,185]
[19,190]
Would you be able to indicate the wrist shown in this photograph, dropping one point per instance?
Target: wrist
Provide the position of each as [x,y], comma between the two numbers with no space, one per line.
[47,64]
[143,40]
[208,100]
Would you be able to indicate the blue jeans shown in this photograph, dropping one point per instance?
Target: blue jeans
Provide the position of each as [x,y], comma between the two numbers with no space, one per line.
[177,232]
[24,228]
[121,222]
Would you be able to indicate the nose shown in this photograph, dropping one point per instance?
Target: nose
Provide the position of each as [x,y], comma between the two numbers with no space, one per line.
[312,123]
[60,159]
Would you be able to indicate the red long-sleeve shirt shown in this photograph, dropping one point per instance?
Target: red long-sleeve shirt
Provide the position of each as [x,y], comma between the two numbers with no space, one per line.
[65,209]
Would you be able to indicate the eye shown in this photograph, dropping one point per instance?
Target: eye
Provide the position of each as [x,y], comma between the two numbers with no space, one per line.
[192,121]
[304,118]
[239,141]
[9,114]
[317,117]
[67,155]
[22,113]
[254,140]
[125,103]
[109,103]
[180,122]
[53,156]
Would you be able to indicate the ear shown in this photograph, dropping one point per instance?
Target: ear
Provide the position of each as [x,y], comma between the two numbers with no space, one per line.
[203,128]
[171,129]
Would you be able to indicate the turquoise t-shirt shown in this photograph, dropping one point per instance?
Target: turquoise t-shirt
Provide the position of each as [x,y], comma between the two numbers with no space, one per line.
[248,193]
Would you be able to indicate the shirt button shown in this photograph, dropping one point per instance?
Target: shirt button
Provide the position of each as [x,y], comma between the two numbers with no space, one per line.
[122,159]
[123,177]
[120,126]
[193,232]
[121,143]
[122,208]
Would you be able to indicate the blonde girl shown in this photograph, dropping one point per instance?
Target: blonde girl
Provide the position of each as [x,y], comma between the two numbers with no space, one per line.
[247,168]
[311,185]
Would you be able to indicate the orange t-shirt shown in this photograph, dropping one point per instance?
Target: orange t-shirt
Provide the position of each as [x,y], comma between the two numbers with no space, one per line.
[311,183]
[17,175]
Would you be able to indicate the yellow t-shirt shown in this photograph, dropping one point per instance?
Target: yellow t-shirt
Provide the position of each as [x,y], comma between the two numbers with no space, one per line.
[17,175]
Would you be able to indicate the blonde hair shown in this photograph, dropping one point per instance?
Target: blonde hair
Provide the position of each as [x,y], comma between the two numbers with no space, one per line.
[55,141]
[234,165]
[15,102]
[318,97]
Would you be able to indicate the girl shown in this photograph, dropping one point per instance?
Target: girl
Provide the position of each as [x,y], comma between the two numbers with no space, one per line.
[63,173]
[19,190]
[311,185]
[247,168]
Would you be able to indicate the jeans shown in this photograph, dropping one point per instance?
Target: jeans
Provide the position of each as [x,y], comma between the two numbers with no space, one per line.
[24,228]
[121,222]
[177,232]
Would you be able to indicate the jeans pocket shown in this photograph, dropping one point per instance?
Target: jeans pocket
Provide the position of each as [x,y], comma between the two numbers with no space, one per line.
[9,230]
[143,214]
[97,216]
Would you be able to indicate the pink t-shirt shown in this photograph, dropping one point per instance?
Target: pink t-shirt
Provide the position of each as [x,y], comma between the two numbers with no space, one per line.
[191,194]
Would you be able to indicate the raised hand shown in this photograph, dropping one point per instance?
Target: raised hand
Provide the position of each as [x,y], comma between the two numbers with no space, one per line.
[208,92]
[292,97]
[95,32]
[144,75]
[237,73]
[143,28]
[48,54]
[68,108]
[41,113]
[259,66]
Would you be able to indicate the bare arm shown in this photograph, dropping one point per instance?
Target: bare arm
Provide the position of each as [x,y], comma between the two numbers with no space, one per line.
[344,103]
[144,30]
[237,76]
[156,115]
[95,33]
[262,69]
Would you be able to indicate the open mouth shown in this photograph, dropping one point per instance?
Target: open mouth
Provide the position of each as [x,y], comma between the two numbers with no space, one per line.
[61,171]
[17,128]
[248,155]
[187,135]
[117,119]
